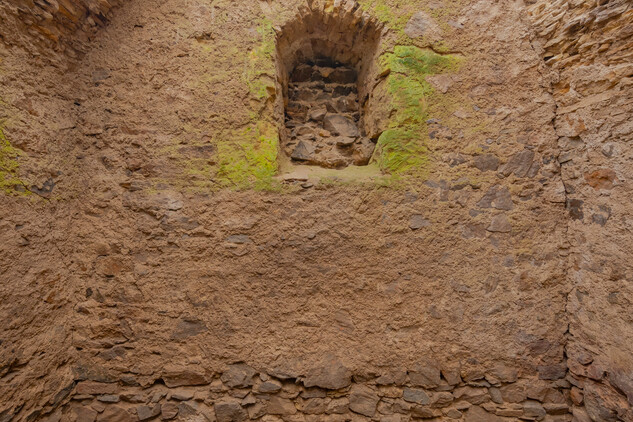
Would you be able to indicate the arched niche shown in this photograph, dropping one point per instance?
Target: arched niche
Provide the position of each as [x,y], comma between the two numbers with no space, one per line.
[326,65]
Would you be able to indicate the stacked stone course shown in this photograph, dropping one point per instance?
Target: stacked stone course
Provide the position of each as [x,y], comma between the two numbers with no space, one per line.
[331,394]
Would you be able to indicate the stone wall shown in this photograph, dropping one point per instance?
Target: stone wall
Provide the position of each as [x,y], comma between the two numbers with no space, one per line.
[61,25]
[471,294]
[326,393]
[589,46]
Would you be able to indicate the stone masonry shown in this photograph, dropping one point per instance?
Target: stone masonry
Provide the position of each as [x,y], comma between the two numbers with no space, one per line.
[156,263]
[323,114]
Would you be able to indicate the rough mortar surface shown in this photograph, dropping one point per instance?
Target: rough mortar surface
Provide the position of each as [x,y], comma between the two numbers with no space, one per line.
[141,280]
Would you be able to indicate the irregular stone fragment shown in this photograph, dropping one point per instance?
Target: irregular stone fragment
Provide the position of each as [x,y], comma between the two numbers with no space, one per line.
[441,82]
[477,414]
[453,414]
[424,412]
[472,373]
[340,125]
[510,412]
[331,374]
[363,400]
[602,403]
[576,396]
[413,395]
[513,393]
[392,418]
[181,395]
[230,411]
[486,162]
[451,374]
[552,372]
[441,399]
[179,376]
[84,414]
[393,377]
[363,151]
[520,164]
[304,151]
[471,394]
[108,398]
[311,393]
[425,374]
[315,406]
[500,224]
[342,141]
[574,206]
[239,376]
[168,411]
[533,410]
[96,388]
[498,197]
[317,114]
[417,222]
[280,406]
[601,179]
[556,408]
[495,395]
[504,374]
[338,406]
[116,414]
[237,239]
[270,386]
[146,412]
[621,379]
[342,75]
[581,415]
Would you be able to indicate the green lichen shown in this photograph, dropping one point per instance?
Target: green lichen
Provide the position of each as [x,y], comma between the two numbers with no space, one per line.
[401,148]
[248,157]
[10,183]
[260,66]
[396,14]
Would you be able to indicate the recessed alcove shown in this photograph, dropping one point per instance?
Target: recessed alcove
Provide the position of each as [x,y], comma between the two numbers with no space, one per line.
[326,65]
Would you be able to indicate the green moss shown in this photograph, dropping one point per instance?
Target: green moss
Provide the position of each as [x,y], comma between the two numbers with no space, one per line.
[248,158]
[260,67]
[10,183]
[401,148]
[396,14]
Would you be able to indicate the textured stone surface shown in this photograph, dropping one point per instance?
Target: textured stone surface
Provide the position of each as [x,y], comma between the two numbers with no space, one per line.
[61,25]
[136,261]
[588,47]
[363,400]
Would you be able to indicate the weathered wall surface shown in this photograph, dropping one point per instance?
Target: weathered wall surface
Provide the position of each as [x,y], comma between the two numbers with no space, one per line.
[36,248]
[441,296]
[59,25]
[589,46]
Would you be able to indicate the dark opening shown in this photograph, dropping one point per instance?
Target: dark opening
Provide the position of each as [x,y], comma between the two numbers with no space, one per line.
[323,116]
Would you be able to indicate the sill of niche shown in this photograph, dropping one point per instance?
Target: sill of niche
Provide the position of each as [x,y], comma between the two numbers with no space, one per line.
[290,172]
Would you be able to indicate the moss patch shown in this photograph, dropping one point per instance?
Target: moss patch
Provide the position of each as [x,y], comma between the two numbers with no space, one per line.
[10,183]
[401,148]
[247,158]
[260,71]
[396,14]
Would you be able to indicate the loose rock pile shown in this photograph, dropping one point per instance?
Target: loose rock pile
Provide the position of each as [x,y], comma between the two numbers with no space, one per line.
[323,116]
